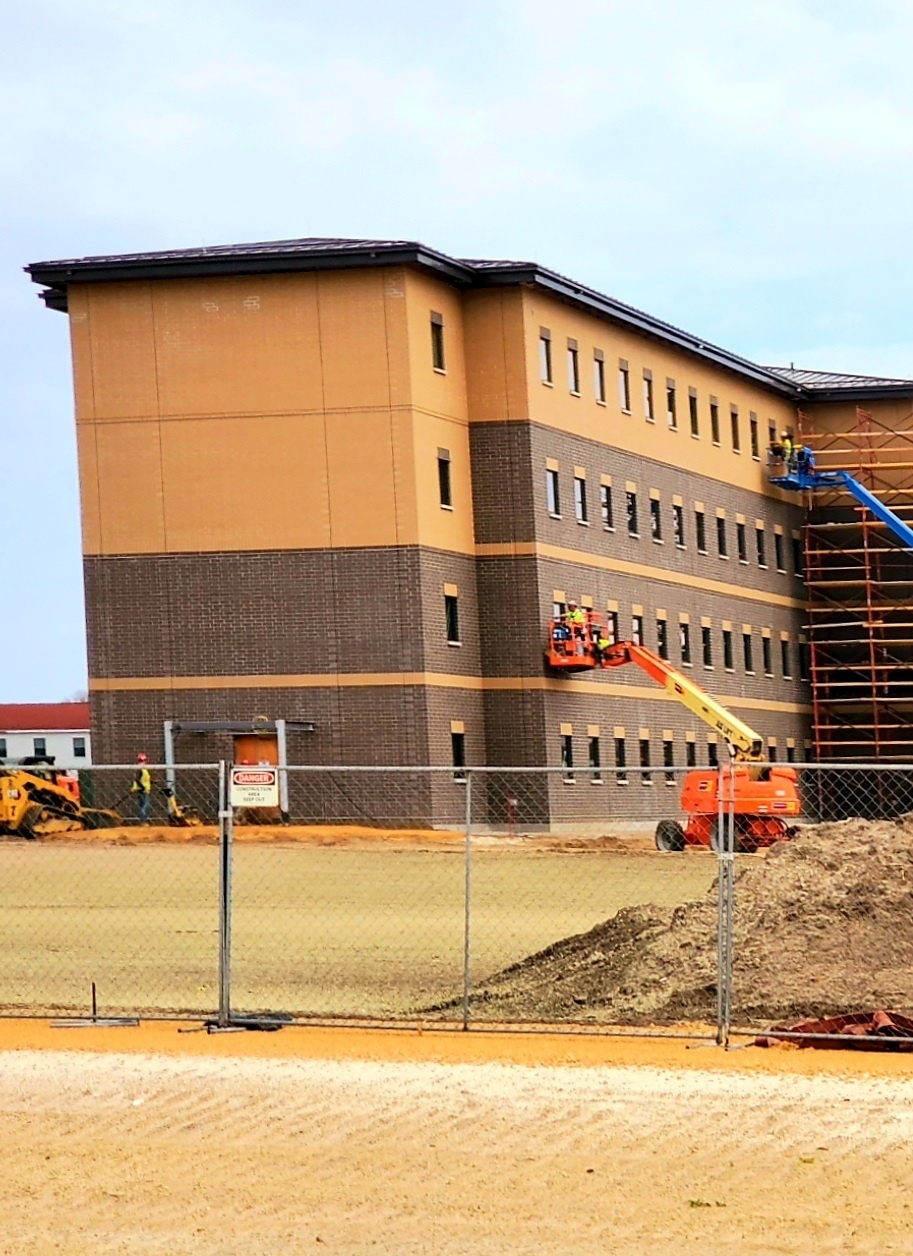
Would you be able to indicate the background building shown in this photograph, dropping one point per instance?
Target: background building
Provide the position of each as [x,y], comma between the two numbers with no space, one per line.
[345,484]
[59,730]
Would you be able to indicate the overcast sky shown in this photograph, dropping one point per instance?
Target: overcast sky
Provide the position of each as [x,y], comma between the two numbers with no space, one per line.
[741,169]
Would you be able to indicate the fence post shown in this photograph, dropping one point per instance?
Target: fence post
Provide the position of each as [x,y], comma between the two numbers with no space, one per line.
[725,898]
[467,898]
[226,819]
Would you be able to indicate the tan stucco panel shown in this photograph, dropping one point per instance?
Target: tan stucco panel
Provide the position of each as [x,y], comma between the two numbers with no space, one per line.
[122,360]
[497,386]
[123,501]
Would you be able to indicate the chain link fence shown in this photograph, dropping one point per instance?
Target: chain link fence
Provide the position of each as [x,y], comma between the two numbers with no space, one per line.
[632,900]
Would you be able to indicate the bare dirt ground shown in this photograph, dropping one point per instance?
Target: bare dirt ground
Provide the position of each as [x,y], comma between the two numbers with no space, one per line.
[219,1150]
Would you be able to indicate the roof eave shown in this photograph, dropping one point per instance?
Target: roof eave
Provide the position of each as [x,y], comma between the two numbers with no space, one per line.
[857,392]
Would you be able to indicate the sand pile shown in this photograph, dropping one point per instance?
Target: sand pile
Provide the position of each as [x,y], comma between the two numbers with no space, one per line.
[823,924]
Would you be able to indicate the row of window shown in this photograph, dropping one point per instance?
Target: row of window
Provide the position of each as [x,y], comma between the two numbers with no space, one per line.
[645,757]
[40,747]
[677,519]
[788,659]
[670,394]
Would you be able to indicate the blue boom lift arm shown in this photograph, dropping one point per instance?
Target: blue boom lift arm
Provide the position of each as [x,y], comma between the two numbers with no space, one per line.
[799,480]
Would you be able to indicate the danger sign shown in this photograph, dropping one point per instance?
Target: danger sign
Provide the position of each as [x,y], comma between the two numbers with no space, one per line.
[255,787]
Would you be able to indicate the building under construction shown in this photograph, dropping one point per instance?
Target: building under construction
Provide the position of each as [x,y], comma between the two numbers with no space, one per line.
[341,487]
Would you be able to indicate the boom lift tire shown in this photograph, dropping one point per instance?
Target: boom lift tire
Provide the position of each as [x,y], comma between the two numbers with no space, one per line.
[669,836]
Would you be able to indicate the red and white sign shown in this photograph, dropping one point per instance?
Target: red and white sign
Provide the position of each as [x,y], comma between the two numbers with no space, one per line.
[255,787]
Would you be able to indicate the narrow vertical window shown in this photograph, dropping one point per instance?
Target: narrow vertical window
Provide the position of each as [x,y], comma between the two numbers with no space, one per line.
[728,655]
[545,355]
[621,761]
[662,638]
[678,525]
[437,341]
[567,756]
[713,757]
[748,651]
[580,507]
[452,618]
[778,551]
[39,747]
[684,641]
[2,747]
[612,627]
[445,492]
[761,543]
[573,368]
[605,507]
[741,538]
[798,558]
[767,656]
[552,493]
[458,755]
[656,519]
[671,412]
[599,375]
[753,436]
[790,753]
[736,431]
[707,645]
[690,754]
[631,499]
[722,541]
[693,413]
[79,748]
[595,760]
[646,777]
[669,760]
[637,629]
[784,659]
[558,609]
[803,660]
[714,422]
[700,531]
[624,386]
[771,432]
[648,397]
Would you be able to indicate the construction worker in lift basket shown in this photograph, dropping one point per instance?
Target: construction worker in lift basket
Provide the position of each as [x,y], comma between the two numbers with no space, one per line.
[576,621]
[142,788]
[786,445]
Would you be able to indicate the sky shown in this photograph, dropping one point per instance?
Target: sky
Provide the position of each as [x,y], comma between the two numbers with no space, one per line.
[741,170]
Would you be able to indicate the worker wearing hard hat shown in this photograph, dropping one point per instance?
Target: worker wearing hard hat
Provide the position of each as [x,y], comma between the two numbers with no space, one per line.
[142,788]
[786,444]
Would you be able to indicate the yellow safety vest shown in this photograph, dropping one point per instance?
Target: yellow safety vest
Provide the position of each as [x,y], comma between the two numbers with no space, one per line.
[142,783]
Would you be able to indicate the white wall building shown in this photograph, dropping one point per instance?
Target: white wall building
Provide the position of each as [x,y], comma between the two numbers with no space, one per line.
[58,730]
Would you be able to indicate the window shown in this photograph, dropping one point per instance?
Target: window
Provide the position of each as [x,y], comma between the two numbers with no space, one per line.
[671,413]
[669,761]
[771,432]
[713,757]
[605,507]
[624,386]
[722,543]
[595,761]
[573,368]
[803,660]
[458,755]
[678,525]
[707,645]
[2,747]
[437,341]
[798,563]
[567,756]
[39,746]
[741,540]
[552,493]
[784,659]
[761,541]
[748,651]
[646,777]
[690,754]
[631,501]
[558,609]
[545,355]
[714,422]
[621,762]
[736,433]
[684,641]
[452,618]
[728,659]
[662,638]
[599,375]
[753,436]
[778,551]
[767,656]
[648,397]
[693,413]
[79,747]
[445,492]
[611,627]
[637,629]
[580,499]
[656,521]
[700,531]
[790,753]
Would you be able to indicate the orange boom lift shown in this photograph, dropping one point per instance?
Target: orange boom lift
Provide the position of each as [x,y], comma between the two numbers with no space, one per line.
[764,797]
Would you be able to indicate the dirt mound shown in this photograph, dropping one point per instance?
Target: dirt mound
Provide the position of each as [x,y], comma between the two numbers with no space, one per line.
[823,924]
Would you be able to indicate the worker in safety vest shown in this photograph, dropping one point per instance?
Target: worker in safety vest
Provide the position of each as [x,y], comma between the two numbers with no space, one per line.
[786,444]
[602,644]
[576,622]
[142,788]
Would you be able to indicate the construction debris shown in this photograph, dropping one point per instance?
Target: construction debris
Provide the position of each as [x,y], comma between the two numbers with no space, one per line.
[865,1031]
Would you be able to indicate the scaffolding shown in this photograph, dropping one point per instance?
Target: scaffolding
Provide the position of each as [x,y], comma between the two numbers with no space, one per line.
[860,593]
